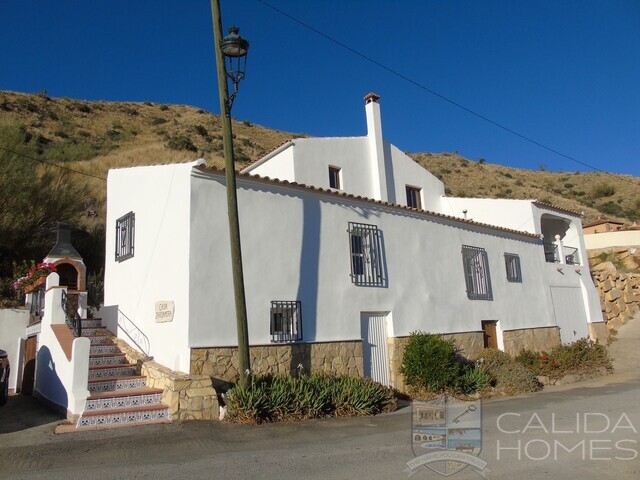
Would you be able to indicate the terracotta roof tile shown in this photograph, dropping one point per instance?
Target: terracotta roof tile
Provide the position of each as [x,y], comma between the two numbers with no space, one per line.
[556,208]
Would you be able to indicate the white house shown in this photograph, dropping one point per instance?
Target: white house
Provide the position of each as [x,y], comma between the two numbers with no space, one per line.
[348,246]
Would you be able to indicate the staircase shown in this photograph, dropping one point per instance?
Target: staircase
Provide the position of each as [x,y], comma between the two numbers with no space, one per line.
[118,393]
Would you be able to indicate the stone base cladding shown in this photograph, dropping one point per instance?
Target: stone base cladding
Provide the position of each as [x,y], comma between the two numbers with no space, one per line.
[189,397]
[337,358]
[537,339]
[599,332]
[468,344]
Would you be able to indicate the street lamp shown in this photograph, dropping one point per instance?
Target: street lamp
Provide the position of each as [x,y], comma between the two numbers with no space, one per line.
[234,49]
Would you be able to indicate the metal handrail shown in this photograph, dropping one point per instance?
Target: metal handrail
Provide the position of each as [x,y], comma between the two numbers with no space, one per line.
[571,256]
[551,252]
[72,317]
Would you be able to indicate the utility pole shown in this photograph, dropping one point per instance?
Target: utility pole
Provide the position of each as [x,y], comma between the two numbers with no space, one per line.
[230,176]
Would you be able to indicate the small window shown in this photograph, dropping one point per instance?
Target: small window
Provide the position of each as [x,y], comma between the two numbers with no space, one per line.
[413,197]
[334,178]
[125,235]
[286,321]
[367,255]
[512,262]
[476,273]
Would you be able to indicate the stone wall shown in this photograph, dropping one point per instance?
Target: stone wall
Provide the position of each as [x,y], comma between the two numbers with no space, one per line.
[189,397]
[616,274]
[536,339]
[468,345]
[337,358]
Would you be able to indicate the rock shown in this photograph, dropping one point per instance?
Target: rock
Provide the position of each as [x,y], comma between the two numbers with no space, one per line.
[568,379]
[613,294]
[544,380]
[604,266]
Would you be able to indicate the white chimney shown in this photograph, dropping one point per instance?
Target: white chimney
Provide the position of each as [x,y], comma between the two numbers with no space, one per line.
[376,147]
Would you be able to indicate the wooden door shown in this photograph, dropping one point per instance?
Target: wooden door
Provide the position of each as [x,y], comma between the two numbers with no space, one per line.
[490,333]
[30,349]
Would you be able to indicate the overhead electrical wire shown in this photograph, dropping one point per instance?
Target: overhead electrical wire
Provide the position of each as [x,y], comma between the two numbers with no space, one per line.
[439,95]
[51,164]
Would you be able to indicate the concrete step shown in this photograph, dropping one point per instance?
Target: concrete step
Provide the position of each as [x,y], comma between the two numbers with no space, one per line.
[97,359]
[105,371]
[129,416]
[116,384]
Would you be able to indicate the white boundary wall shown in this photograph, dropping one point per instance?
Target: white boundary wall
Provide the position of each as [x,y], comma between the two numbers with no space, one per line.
[13,324]
[625,238]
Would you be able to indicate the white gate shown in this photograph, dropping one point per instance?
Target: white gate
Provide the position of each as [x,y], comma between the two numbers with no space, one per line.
[374,346]
[571,317]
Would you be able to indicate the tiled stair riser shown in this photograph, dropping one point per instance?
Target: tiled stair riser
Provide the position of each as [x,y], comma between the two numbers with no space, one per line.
[94,323]
[111,360]
[97,340]
[112,372]
[122,402]
[98,349]
[88,331]
[124,417]
[117,385]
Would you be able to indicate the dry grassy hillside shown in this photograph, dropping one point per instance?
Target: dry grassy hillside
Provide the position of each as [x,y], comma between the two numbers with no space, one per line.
[95,136]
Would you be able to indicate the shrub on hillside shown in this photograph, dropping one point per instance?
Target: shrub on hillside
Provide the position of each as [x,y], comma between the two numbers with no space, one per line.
[181,142]
[272,398]
[603,190]
[581,356]
[508,375]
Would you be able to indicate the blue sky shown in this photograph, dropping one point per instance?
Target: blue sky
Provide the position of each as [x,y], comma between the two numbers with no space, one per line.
[564,73]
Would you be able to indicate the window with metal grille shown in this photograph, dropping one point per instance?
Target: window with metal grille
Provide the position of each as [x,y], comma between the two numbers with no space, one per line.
[125,235]
[413,197]
[512,262]
[367,255]
[476,273]
[286,321]
[334,178]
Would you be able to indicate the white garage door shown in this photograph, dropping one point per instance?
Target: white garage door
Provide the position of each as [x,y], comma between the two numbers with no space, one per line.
[571,317]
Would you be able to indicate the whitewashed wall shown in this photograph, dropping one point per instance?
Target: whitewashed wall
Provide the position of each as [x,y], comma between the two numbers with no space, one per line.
[370,167]
[296,247]
[159,197]
[507,213]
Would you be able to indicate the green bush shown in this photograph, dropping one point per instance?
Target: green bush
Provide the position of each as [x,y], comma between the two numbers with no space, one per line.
[508,375]
[281,397]
[430,362]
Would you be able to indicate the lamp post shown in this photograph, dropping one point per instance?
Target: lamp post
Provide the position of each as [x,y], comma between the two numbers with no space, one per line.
[232,48]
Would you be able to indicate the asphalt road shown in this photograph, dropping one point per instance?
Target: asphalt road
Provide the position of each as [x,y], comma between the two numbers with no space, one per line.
[585,431]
